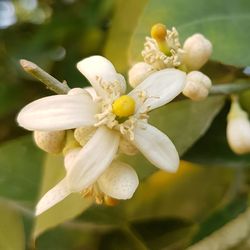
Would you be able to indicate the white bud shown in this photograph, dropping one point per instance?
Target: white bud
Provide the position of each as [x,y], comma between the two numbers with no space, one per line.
[238,129]
[83,135]
[197,86]
[85,91]
[50,141]
[126,147]
[197,50]
[139,72]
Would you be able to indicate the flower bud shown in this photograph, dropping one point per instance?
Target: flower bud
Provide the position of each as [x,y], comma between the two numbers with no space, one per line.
[70,142]
[139,72]
[50,141]
[238,129]
[197,86]
[126,147]
[83,135]
[197,50]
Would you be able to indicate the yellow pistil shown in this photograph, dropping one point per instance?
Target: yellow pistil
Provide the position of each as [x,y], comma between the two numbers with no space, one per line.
[159,33]
[124,106]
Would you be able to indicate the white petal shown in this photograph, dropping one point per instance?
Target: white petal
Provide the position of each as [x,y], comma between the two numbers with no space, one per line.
[77,91]
[52,197]
[156,147]
[70,157]
[160,87]
[119,181]
[58,112]
[97,69]
[122,81]
[93,159]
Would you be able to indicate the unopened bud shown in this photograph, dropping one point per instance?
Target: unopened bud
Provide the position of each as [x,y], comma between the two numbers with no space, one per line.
[71,143]
[83,135]
[126,147]
[197,86]
[139,72]
[50,141]
[197,50]
[238,129]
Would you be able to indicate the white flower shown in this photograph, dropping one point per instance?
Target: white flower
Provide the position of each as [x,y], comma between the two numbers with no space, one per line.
[118,181]
[113,116]
[163,50]
[238,129]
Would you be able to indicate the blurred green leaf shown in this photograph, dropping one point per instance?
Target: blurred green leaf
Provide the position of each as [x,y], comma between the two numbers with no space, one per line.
[124,23]
[72,236]
[213,149]
[122,240]
[164,233]
[191,193]
[225,23]
[69,208]
[184,122]
[11,228]
[20,170]
[220,217]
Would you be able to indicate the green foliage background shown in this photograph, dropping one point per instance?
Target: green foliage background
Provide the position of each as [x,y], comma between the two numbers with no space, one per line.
[168,211]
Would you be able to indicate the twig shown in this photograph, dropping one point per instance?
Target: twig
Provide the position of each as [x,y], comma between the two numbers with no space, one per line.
[229,88]
[51,82]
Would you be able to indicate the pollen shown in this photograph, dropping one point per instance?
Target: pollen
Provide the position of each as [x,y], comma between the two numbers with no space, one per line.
[159,32]
[124,106]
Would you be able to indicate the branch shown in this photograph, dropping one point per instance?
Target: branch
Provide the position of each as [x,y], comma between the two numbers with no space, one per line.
[229,88]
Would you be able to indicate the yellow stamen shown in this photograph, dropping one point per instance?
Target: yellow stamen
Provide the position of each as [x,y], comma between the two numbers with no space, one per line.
[109,201]
[159,33]
[124,106]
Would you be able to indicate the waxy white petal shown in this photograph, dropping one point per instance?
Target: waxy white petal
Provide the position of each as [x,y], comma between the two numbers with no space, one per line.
[97,69]
[53,196]
[93,159]
[70,157]
[119,181]
[58,112]
[156,147]
[160,88]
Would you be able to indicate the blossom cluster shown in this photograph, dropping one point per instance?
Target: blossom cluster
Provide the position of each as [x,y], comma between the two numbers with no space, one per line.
[92,126]
[163,50]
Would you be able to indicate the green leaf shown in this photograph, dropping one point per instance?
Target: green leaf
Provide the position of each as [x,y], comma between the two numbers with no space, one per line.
[225,23]
[191,193]
[220,217]
[184,122]
[213,149]
[11,228]
[122,240]
[170,233]
[20,170]
[68,236]
[69,208]
[123,24]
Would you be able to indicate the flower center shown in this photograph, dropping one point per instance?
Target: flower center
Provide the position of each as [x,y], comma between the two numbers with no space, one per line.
[124,106]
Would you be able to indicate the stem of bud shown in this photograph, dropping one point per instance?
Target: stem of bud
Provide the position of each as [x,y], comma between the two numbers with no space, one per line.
[51,82]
